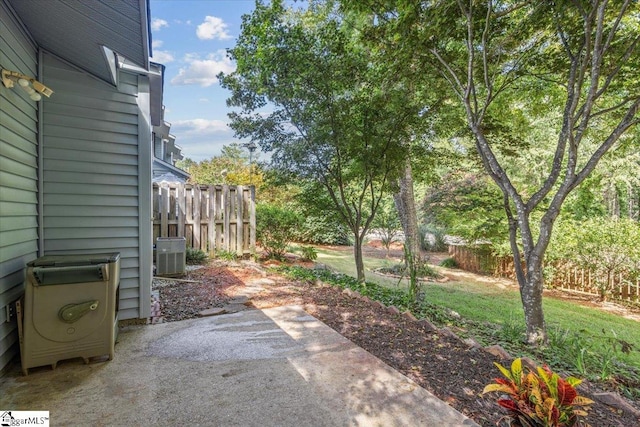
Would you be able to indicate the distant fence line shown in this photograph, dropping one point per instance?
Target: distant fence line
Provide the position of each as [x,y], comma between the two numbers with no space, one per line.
[567,276]
[212,218]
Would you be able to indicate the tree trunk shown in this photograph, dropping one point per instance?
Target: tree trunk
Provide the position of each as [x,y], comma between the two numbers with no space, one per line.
[406,206]
[612,201]
[531,297]
[357,255]
[632,197]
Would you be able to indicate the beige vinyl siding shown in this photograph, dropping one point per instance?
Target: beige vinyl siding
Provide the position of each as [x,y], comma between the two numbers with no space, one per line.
[18,177]
[90,171]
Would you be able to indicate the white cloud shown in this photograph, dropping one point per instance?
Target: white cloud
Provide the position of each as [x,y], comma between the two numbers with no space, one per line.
[157,24]
[199,127]
[212,28]
[157,43]
[203,71]
[202,139]
[190,57]
[162,56]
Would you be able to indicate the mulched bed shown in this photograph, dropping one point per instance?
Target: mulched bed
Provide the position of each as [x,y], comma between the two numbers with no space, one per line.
[446,366]
[182,299]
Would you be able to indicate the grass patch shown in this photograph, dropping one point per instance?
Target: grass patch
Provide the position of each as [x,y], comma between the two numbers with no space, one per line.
[342,262]
[486,303]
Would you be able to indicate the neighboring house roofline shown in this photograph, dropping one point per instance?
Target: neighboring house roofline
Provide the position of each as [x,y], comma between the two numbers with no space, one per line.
[172,168]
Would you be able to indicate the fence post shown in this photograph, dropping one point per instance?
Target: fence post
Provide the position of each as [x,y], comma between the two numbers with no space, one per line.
[180,198]
[239,219]
[226,230]
[211,225]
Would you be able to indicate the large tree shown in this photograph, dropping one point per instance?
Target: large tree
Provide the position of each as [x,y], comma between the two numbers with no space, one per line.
[502,57]
[308,92]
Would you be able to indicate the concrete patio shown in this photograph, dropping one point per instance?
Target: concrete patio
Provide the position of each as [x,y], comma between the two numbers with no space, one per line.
[273,367]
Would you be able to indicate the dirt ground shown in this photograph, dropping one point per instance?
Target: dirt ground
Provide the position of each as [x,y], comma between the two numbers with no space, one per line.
[450,368]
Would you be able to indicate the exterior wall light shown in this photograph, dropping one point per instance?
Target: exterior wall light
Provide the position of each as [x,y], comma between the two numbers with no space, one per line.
[34,88]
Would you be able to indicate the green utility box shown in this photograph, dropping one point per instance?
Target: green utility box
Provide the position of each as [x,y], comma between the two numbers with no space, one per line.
[69,309]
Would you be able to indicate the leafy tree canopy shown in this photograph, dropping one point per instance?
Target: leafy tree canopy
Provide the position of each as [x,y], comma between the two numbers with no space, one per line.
[231,167]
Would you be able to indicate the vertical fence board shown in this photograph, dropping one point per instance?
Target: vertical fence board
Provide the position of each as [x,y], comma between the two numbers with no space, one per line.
[226,215]
[181,205]
[239,220]
[252,219]
[164,213]
[196,216]
[219,219]
[211,223]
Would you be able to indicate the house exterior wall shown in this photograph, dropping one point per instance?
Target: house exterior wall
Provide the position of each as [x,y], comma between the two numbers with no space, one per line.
[18,176]
[93,170]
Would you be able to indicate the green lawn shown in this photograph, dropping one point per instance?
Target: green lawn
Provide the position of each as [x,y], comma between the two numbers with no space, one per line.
[343,262]
[482,302]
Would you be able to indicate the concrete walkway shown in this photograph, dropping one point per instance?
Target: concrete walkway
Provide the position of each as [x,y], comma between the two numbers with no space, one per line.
[274,367]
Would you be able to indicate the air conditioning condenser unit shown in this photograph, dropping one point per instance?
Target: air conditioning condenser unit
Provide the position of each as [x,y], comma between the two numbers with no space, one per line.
[171,256]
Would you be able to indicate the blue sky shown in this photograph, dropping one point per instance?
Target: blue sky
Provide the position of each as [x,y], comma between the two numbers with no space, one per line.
[190,38]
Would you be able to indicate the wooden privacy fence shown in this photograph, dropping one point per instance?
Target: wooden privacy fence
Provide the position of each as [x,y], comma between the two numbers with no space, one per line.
[567,276]
[572,278]
[212,218]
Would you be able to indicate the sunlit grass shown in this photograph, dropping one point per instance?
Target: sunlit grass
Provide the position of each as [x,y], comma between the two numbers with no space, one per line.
[343,262]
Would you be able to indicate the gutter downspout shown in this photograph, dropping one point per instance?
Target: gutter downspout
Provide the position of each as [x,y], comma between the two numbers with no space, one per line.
[40,161]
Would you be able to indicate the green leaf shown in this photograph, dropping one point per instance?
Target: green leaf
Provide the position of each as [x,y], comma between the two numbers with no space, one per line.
[504,371]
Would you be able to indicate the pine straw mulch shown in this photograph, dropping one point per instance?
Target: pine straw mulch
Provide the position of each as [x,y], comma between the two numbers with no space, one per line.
[451,369]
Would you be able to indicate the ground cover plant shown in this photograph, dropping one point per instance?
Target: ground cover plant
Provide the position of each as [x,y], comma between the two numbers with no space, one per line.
[195,256]
[538,397]
[309,253]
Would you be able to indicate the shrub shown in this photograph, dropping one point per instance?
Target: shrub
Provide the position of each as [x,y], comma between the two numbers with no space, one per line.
[433,238]
[276,227]
[607,248]
[227,255]
[195,256]
[323,231]
[539,398]
[309,253]
[449,263]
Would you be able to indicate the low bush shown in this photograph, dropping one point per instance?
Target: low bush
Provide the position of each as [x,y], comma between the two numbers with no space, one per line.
[538,398]
[423,270]
[227,255]
[449,263]
[195,256]
[309,253]
[433,238]
[276,227]
[323,231]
